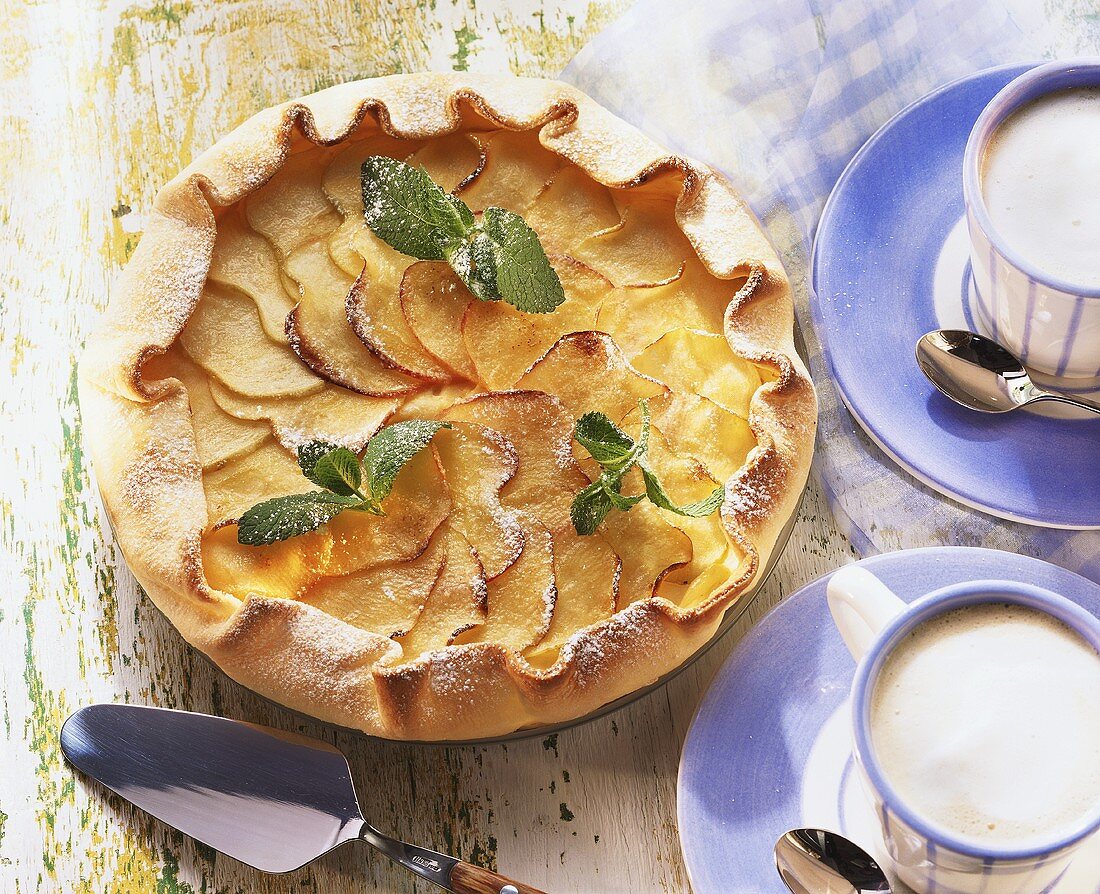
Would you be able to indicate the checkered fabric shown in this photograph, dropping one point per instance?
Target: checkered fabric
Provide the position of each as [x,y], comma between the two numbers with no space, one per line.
[779,95]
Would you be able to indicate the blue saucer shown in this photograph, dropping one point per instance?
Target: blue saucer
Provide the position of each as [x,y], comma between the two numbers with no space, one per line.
[769,748]
[889,264]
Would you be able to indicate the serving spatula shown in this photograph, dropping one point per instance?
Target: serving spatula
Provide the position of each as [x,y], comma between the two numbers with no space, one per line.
[272,799]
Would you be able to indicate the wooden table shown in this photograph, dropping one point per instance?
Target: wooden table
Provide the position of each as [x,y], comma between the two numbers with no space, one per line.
[103,102]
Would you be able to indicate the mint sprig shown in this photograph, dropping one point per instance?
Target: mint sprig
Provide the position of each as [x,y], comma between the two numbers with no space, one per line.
[498,257]
[617,453]
[348,483]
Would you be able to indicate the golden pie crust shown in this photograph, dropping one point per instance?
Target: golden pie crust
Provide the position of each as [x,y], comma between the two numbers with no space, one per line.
[472,609]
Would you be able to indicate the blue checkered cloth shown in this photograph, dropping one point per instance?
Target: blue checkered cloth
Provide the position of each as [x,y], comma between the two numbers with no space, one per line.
[779,95]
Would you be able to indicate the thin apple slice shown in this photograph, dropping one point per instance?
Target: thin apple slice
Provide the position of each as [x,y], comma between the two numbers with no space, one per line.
[218,435]
[374,312]
[342,181]
[418,504]
[451,160]
[517,168]
[540,431]
[636,316]
[698,427]
[433,401]
[245,261]
[520,601]
[320,334]
[649,546]
[384,599]
[278,570]
[702,363]
[582,567]
[291,209]
[224,337]
[456,603]
[266,472]
[332,414]
[586,371]
[647,248]
[504,342]
[433,302]
[477,463]
[572,208]
[353,245]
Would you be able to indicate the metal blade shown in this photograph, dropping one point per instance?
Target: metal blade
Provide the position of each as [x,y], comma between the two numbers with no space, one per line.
[271,799]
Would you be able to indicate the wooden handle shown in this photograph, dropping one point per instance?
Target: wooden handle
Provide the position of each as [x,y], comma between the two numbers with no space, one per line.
[469,879]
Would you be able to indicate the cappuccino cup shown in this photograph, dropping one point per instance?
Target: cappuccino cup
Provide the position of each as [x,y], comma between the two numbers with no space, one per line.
[976,729]
[1031,187]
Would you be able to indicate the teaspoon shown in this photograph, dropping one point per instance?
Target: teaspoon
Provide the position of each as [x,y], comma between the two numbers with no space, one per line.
[977,373]
[813,861]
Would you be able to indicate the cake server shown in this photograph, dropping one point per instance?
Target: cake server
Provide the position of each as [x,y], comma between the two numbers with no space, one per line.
[272,799]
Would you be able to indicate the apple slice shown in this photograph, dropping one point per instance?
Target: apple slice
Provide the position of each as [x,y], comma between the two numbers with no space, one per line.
[477,463]
[353,245]
[649,546]
[332,414]
[224,337]
[455,604]
[384,599]
[586,371]
[342,182]
[433,302]
[218,435]
[503,342]
[278,570]
[540,431]
[517,168]
[418,504]
[433,401]
[698,427]
[373,309]
[520,600]
[572,208]
[582,568]
[702,363]
[320,334]
[451,161]
[636,316]
[291,209]
[245,261]
[266,472]
[647,248]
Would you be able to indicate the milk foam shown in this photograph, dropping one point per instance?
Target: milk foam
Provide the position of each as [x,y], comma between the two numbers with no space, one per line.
[986,721]
[1041,183]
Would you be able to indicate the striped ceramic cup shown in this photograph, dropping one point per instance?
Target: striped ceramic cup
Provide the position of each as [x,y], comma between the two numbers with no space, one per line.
[1052,325]
[927,856]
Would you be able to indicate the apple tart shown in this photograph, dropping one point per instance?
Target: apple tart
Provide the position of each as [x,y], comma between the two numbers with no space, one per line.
[263,314]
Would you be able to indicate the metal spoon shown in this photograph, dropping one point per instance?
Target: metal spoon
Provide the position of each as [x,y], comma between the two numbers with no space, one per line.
[813,861]
[977,373]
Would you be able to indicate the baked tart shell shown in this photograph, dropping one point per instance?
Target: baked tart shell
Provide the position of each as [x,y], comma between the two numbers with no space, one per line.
[143,448]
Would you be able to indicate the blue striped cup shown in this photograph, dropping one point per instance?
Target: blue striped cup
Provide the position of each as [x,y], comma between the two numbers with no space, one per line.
[1050,324]
[927,857]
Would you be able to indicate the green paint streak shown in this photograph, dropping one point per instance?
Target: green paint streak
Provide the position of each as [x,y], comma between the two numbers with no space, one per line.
[169,879]
[566,813]
[3,819]
[550,743]
[464,37]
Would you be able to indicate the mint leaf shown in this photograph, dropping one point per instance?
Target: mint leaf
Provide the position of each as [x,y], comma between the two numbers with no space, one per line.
[407,210]
[498,257]
[602,438]
[476,267]
[308,454]
[338,471]
[617,453]
[524,277]
[590,508]
[389,450]
[698,509]
[284,517]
